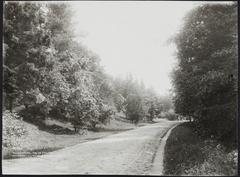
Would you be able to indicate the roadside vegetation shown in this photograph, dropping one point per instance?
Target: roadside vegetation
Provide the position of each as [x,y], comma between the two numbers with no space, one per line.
[205,80]
[22,139]
[187,153]
[205,85]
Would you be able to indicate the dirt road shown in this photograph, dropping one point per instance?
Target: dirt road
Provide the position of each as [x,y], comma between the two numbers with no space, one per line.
[130,152]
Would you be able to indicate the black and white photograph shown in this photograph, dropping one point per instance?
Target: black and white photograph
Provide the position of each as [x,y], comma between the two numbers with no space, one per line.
[120,88]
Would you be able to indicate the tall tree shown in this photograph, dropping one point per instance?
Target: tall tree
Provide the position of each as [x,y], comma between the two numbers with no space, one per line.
[27,43]
[206,78]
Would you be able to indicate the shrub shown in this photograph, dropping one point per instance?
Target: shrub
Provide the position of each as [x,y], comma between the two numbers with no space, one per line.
[186,153]
[106,112]
[13,129]
[170,115]
[217,161]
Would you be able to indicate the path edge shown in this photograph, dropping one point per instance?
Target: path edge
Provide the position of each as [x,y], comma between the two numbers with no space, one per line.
[157,167]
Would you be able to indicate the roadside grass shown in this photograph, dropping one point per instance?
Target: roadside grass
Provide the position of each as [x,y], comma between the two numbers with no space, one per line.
[115,125]
[36,142]
[187,154]
[22,139]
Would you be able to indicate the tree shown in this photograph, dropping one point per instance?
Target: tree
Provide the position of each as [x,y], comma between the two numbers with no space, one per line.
[119,102]
[134,110]
[42,60]
[10,88]
[53,75]
[206,76]
[151,112]
[27,43]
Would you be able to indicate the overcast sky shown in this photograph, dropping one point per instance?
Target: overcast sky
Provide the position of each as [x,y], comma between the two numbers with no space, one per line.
[131,36]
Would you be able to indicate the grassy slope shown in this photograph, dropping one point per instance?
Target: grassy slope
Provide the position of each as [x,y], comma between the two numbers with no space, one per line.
[187,154]
[36,142]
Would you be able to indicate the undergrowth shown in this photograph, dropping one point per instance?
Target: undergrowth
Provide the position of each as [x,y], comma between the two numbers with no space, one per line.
[188,154]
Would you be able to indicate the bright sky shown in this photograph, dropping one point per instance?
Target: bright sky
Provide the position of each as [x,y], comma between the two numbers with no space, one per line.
[131,37]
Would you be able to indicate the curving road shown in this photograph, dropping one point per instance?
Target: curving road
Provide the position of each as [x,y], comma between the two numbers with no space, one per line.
[126,153]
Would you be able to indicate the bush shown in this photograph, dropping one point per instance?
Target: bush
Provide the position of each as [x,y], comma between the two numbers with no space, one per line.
[217,161]
[13,129]
[105,113]
[186,153]
[170,115]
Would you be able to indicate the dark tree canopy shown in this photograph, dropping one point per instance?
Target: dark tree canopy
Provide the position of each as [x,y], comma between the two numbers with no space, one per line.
[205,81]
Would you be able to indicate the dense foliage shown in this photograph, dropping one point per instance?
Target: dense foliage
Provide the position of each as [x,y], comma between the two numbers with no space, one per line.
[13,129]
[52,75]
[186,154]
[138,102]
[46,70]
[206,78]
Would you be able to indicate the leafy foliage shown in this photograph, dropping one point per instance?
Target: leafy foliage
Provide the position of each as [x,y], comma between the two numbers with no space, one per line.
[53,75]
[136,101]
[170,115]
[186,153]
[206,78]
[134,110]
[13,128]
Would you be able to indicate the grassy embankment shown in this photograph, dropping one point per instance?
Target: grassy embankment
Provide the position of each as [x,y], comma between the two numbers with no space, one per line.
[188,154]
[22,139]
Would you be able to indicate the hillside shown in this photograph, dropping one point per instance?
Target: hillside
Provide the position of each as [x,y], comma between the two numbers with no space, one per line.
[26,139]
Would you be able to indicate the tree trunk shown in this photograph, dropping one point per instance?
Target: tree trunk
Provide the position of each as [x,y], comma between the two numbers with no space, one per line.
[10,102]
